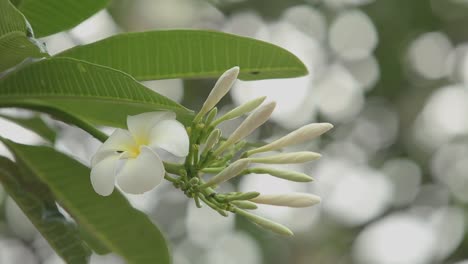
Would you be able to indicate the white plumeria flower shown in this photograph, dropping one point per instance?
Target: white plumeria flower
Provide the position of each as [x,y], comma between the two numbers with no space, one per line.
[129,157]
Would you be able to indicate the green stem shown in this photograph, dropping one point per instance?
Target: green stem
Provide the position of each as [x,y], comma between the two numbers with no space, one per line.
[171,179]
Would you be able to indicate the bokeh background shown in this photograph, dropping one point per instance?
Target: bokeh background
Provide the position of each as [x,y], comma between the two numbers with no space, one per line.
[391,75]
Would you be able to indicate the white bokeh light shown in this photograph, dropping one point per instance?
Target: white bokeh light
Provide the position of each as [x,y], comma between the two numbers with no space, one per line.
[18,222]
[14,251]
[237,247]
[443,116]
[428,55]
[366,71]
[338,95]
[352,35]
[307,19]
[396,239]
[294,98]
[352,194]
[58,42]
[339,4]
[204,224]
[174,14]
[449,226]
[76,143]
[244,23]
[17,133]
[171,88]
[99,26]
[449,166]
[406,177]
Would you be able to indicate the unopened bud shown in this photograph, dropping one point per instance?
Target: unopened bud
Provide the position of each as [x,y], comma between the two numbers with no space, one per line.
[265,223]
[211,115]
[242,196]
[289,199]
[230,172]
[252,122]
[240,110]
[245,205]
[303,134]
[211,141]
[283,174]
[287,158]
[221,88]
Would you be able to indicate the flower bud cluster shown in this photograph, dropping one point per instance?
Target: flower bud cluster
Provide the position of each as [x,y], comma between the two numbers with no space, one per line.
[214,159]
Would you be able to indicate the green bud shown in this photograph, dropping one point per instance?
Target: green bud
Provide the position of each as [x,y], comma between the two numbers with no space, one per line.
[289,199]
[242,196]
[211,141]
[265,223]
[194,181]
[240,110]
[230,172]
[245,205]
[283,174]
[303,134]
[212,170]
[211,115]
[252,122]
[287,158]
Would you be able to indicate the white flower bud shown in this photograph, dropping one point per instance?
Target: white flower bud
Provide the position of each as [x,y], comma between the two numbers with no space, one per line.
[252,122]
[283,174]
[289,199]
[221,88]
[305,133]
[230,172]
[240,110]
[265,223]
[287,158]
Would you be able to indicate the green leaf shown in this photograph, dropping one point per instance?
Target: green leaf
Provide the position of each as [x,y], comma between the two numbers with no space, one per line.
[10,19]
[16,47]
[36,201]
[123,229]
[35,124]
[94,93]
[51,16]
[189,53]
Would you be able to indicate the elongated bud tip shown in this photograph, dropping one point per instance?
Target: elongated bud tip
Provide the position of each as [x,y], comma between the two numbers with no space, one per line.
[265,223]
[221,88]
[290,199]
[326,126]
[230,172]
[234,71]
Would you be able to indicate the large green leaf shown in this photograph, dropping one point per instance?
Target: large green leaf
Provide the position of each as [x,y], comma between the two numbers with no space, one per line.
[36,201]
[123,229]
[15,47]
[94,93]
[35,124]
[189,53]
[10,19]
[51,16]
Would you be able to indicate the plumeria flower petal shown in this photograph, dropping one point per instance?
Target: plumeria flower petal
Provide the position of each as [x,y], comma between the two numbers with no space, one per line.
[140,125]
[141,168]
[103,175]
[171,136]
[120,140]
[141,174]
